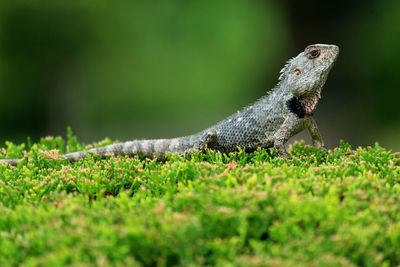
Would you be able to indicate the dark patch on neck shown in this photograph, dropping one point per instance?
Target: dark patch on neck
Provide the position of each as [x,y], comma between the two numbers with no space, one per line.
[296,107]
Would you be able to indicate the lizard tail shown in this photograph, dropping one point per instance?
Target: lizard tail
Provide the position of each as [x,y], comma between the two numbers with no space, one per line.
[157,148]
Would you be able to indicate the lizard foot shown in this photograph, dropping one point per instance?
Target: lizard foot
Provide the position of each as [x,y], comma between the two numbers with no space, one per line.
[285,155]
[281,151]
[188,152]
[208,140]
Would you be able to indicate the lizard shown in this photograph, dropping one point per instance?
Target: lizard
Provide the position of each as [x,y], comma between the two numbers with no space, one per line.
[269,122]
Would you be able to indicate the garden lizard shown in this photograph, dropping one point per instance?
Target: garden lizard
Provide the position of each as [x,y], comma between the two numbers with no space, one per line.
[269,122]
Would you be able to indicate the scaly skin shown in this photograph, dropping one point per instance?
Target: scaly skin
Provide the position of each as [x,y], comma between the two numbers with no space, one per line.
[269,122]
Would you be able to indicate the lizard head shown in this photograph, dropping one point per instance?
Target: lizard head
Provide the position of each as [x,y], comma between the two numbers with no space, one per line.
[305,74]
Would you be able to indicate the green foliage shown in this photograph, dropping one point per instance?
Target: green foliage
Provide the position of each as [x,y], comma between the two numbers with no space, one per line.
[98,64]
[242,209]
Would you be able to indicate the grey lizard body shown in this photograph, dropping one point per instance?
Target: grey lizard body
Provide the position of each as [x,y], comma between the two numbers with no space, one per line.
[269,122]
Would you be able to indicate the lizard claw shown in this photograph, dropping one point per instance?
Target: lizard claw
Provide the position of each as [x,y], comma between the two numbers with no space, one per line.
[286,155]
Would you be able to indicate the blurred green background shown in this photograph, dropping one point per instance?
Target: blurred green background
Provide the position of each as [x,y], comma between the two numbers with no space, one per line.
[150,69]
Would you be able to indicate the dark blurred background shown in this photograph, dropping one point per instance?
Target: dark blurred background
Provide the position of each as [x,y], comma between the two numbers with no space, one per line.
[149,69]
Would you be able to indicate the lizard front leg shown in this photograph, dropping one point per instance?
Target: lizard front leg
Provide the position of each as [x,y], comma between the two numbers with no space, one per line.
[315,135]
[288,128]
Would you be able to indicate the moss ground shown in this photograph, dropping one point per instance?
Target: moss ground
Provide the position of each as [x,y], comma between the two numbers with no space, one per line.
[322,209]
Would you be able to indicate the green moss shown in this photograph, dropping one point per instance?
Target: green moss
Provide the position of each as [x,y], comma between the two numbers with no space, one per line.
[336,208]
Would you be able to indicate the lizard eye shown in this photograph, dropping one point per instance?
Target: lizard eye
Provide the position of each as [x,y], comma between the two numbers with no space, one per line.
[314,54]
[297,71]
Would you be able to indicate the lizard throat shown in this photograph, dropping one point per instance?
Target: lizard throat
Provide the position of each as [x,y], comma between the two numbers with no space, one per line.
[304,108]
[310,102]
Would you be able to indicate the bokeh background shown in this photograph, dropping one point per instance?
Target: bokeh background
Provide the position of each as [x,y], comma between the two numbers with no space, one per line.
[150,69]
